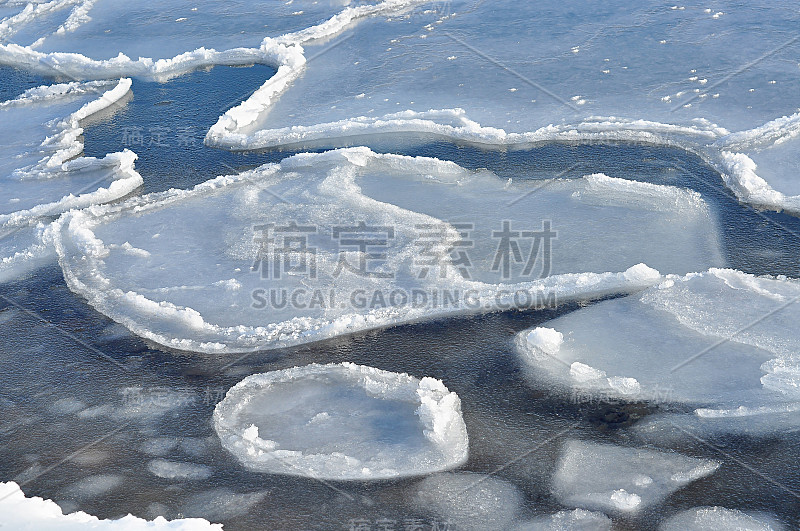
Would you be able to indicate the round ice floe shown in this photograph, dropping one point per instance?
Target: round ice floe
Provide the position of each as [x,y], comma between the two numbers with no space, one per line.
[342,421]
[719,519]
[468,501]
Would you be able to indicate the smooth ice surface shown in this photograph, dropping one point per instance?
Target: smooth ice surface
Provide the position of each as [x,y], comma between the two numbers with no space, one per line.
[36,514]
[129,260]
[470,501]
[342,421]
[721,339]
[40,176]
[719,519]
[619,480]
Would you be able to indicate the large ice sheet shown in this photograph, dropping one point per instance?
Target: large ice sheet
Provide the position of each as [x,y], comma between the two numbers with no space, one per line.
[342,422]
[722,340]
[719,519]
[435,57]
[40,176]
[36,514]
[276,258]
[674,98]
[622,480]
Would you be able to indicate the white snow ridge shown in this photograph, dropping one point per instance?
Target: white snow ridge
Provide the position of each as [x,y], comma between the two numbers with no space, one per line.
[343,422]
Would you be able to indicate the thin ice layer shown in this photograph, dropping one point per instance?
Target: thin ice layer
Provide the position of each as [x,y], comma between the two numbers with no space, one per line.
[40,176]
[297,252]
[622,480]
[719,519]
[721,339]
[342,422]
[23,513]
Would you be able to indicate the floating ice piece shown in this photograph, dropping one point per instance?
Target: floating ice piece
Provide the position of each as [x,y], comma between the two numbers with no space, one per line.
[178,470]
[243,295]
[39,176]
[724,340]
[223,504]
[470,501]
[575,520]
[342,422]
[95,486]
[719,519]
[36,514]
[622,480]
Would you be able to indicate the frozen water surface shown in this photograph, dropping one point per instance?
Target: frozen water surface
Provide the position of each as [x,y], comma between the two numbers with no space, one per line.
[662,134]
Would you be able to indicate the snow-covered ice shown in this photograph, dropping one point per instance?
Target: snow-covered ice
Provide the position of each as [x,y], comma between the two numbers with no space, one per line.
[36,514]
[622,480]
[342,421]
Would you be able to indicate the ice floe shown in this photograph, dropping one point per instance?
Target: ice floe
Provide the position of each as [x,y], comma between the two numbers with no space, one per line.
[622,480]
[470,501]
[725,343]
[719,519]
[40,176]
[269,117]
[343,422]
[567,238]
[178,470]
[575,520]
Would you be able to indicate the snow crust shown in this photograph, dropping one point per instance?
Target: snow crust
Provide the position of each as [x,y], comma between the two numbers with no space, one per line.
[622,480]
[23,513]
[342,421]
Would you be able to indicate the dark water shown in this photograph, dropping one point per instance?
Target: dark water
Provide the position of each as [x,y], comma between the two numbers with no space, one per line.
[79,359]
